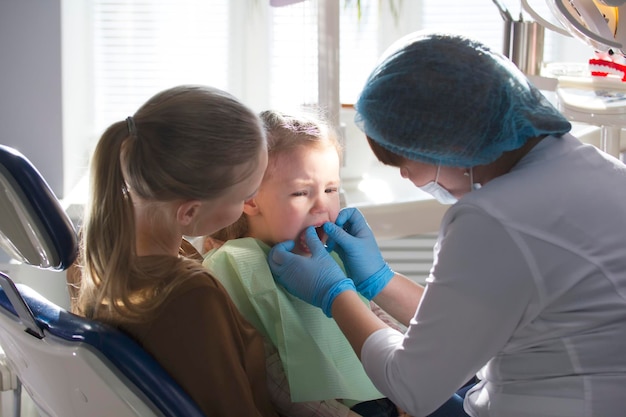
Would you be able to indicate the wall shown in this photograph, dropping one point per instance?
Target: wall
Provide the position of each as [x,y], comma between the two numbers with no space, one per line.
[30,86]
[31,107]
[31,113]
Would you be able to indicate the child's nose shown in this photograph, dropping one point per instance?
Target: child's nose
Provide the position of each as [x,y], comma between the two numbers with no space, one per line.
[321,204]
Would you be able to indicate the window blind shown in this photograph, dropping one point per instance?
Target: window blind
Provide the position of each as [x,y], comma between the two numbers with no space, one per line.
[143,46]
[359,47]
[293,55]
[479,19]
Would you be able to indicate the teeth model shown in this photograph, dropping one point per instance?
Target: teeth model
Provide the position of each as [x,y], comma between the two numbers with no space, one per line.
[605,64]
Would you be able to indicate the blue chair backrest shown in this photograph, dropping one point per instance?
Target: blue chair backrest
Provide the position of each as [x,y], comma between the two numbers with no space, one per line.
[70,366]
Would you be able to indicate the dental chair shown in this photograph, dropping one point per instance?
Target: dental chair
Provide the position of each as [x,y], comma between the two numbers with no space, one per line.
[69,365]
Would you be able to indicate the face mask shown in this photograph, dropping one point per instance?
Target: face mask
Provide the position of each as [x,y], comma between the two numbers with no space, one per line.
[441,194]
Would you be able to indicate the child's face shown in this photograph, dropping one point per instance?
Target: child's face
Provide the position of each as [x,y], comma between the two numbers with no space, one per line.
[301,189]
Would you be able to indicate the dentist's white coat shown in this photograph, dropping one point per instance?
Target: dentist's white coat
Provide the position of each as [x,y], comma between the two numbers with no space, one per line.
[528,289]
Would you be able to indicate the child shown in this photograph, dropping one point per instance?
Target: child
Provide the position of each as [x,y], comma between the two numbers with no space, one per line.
[300,188]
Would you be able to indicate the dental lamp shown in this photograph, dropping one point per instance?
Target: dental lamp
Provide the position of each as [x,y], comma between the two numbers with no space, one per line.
[600,97]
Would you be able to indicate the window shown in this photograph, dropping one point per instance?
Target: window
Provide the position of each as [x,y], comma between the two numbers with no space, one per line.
[293,54]
[481,20]
[359,46]
[266,56]
[143,46]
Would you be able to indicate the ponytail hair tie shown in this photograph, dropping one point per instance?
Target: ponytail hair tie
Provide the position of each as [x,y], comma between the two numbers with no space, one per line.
[130,123]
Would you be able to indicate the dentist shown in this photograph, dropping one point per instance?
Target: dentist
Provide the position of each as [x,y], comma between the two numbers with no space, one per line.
[528,286]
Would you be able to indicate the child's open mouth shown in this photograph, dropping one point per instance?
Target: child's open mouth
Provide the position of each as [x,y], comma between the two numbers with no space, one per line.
[320,234]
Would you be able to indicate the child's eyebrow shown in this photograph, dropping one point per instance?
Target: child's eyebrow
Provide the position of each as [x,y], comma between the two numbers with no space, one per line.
[306,182]
[299,181]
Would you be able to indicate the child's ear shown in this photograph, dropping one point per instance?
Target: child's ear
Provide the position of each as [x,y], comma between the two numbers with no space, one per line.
[250,207]
[187,211]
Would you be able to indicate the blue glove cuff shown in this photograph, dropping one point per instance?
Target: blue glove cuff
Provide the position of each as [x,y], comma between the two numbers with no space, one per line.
[339,287]
[372,286]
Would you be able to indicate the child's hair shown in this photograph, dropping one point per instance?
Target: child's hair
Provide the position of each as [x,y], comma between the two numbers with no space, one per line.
[284,134]
[185,143]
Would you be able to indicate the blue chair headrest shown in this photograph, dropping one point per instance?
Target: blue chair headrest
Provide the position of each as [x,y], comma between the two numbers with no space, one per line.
[35,228]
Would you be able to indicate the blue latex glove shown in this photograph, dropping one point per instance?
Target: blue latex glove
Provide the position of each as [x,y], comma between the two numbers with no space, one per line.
[318,280]
[352,238]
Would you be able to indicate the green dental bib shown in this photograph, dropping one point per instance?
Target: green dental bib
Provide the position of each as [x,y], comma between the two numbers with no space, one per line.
[318,360]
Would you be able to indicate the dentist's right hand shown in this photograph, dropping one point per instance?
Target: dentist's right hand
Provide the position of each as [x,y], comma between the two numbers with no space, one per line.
[318,279]
[356,245]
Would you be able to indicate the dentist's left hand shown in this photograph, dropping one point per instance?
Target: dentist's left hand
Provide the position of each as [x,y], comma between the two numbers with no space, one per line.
[318,280]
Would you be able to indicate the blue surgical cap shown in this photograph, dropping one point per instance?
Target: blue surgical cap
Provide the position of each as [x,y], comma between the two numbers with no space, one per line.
[447,99]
